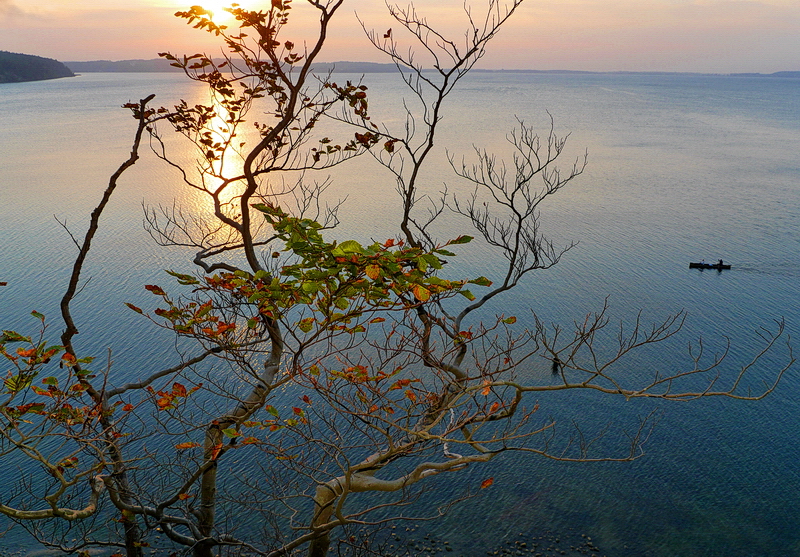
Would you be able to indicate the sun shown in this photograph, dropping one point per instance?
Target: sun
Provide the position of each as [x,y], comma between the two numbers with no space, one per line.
[217,8]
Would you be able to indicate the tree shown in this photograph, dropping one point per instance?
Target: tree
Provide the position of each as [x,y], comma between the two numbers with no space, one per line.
[317,383]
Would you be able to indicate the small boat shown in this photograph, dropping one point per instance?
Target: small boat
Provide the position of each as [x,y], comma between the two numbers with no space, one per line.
[716,266]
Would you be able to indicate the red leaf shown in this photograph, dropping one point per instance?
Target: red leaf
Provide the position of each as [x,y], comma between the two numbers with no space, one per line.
[155,289]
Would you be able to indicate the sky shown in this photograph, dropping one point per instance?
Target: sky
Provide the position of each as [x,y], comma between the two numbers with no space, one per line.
[709,36]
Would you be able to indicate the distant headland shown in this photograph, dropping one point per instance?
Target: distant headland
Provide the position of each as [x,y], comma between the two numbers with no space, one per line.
[15,68]
[161,65]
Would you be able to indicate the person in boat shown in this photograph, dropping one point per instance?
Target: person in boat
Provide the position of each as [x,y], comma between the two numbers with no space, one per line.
[720,262]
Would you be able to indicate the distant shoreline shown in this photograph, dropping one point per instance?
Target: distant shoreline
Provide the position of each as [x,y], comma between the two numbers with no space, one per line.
[161,65]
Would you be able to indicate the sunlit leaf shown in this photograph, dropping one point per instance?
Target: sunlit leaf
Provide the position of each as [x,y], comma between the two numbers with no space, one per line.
[187,445]
[487,482]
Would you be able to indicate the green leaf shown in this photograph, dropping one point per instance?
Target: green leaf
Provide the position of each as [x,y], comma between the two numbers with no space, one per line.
[351,246]
[467,294]
[461,240]
[16,383]
[481,281]
[433,261]
[306,324]
[38,315]
[231,433]
[11,336]
[272,410]
[184,279]
[310,287]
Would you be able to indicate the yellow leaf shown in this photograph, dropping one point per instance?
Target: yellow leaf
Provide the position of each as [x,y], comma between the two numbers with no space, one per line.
[421,293]
[373,271]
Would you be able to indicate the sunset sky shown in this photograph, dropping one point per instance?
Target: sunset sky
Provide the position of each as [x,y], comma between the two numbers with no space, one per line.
[718,36]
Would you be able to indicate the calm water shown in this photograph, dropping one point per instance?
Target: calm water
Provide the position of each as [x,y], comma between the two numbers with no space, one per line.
[681,168]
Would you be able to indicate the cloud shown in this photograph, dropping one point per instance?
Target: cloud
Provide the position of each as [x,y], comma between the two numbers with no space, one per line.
[9,9]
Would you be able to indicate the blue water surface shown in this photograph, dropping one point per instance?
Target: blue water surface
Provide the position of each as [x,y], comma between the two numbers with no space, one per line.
[681,168]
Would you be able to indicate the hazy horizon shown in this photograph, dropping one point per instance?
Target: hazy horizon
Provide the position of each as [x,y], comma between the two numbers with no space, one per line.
[697,36]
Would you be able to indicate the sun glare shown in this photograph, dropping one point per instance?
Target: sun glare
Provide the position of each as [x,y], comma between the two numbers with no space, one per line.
[217,8]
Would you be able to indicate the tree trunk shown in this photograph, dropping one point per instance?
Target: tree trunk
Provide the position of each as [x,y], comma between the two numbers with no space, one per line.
[324,501]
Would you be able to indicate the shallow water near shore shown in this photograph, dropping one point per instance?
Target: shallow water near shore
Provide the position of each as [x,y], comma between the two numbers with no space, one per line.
[681,168]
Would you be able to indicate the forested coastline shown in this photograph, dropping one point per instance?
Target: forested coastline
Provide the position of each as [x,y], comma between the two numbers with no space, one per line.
[16,68]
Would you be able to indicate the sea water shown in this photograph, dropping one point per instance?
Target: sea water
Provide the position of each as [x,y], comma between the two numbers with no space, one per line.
[681,168]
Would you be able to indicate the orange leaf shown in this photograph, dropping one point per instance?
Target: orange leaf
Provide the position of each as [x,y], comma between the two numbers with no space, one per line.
[487,482]
[494,408]
[411,396]
[128,407]
[215,451]
[178,389]
[187,445]
[26,353]
[184,496]
[487,389]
